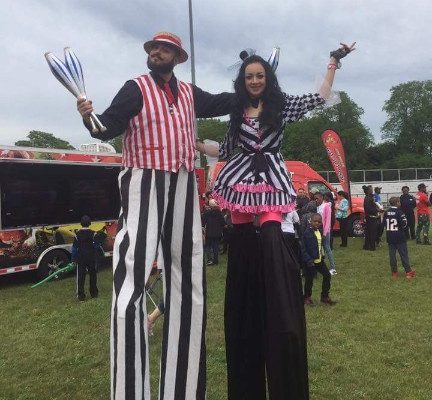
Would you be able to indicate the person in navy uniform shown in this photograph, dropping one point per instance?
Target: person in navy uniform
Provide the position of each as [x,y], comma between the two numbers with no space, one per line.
[372,219]
[395,222]
[408,204]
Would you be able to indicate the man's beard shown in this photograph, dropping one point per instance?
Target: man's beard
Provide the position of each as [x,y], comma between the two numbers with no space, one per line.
[160,68]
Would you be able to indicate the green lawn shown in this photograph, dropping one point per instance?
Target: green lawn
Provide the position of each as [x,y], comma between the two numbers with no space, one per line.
[376,343]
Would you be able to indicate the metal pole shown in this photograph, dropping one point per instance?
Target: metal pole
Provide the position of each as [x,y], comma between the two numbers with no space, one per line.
[198,159]
[192,58]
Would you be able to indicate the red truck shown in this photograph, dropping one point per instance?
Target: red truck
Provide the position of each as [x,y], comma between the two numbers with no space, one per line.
[303,176]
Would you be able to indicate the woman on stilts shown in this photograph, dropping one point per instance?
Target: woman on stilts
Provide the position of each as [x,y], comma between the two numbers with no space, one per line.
[265,327]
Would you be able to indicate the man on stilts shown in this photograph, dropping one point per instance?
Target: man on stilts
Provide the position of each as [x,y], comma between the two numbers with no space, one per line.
[159,217]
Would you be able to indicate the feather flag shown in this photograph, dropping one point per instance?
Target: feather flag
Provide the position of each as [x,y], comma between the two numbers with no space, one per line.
[336,154]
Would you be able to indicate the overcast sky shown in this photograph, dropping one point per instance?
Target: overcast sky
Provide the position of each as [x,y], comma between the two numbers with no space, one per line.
[393,46]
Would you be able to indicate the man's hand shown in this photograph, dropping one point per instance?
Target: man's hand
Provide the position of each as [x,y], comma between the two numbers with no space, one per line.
[85,108]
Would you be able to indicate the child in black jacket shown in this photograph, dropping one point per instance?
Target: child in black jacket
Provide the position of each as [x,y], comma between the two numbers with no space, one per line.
[313,258]
[84,254]
[213,222]
[395,223]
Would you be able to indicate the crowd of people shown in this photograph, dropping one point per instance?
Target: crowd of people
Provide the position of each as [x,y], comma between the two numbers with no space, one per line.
[409,204]
[398,221]
[308,229]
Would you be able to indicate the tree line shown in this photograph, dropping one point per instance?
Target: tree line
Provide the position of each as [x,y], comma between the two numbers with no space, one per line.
[406,134]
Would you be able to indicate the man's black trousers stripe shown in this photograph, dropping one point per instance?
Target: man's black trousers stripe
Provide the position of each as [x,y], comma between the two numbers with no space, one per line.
[160,220]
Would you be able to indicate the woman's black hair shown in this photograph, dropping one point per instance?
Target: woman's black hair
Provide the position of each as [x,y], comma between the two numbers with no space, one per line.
[272,99]
[367,189]
[342,193]
[328,196]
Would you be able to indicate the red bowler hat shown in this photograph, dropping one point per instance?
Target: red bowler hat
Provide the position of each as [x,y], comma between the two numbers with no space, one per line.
[167,38]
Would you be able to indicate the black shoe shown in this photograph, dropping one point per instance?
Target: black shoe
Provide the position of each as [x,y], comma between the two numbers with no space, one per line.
[210,263]
[94,295]
[328,301]
[81,297]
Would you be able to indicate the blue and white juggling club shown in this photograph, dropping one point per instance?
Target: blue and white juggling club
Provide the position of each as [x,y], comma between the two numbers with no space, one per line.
[274,58]
[70,75]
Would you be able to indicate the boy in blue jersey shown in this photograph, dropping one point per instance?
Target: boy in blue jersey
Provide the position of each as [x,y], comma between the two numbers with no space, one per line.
[395,223]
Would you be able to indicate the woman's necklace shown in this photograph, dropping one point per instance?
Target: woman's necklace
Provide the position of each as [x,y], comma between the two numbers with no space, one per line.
[255,102]
[254,109]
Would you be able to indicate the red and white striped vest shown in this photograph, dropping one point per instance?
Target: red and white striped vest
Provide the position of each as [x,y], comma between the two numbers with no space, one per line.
[157,138]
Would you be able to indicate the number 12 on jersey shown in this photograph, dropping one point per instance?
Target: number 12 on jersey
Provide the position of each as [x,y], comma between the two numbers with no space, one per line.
[392,224]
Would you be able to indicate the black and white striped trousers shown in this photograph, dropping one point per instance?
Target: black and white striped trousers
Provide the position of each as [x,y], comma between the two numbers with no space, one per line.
[159,218]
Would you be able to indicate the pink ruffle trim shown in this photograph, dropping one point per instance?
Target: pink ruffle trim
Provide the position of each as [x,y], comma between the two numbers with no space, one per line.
[223,204]
[254,188]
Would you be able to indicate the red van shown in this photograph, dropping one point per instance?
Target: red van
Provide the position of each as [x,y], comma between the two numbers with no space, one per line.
[303,176]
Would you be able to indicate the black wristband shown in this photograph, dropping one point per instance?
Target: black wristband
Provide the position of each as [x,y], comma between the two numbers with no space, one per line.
[339,53]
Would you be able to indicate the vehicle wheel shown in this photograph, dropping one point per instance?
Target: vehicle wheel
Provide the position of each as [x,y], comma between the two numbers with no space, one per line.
[355,226]
[51,262]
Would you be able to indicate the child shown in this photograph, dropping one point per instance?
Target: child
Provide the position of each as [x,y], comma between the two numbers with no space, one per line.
[213,222]
[84,254]
[395,223]
[313,257]
[325,209]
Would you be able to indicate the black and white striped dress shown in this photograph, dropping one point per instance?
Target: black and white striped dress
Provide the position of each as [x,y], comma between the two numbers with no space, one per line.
[255,180]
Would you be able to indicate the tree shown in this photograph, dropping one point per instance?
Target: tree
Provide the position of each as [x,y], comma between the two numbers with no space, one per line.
[303,139]
[409,123]
[117,143]
[213,129]
[382,155]
[44,140]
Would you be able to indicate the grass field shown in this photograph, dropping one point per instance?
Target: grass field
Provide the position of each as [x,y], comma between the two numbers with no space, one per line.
[376,343]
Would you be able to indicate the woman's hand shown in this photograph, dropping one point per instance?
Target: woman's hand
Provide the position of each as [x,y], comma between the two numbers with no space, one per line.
[341,52]
[200,146]
[334,64]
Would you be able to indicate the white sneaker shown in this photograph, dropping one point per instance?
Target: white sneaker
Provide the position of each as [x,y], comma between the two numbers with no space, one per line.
[333,272]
